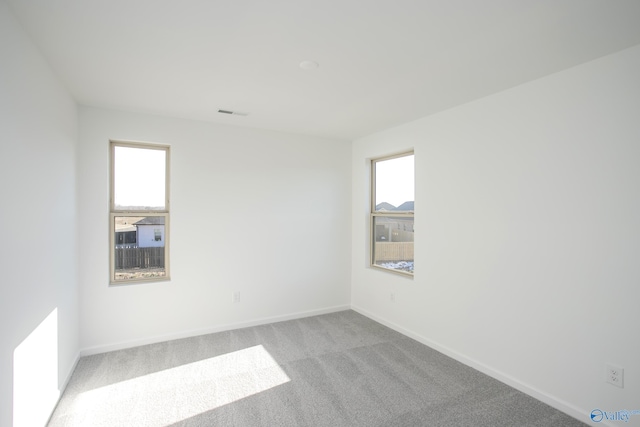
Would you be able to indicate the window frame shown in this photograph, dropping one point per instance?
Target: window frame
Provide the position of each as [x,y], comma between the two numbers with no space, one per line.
[113,212]
[393,214]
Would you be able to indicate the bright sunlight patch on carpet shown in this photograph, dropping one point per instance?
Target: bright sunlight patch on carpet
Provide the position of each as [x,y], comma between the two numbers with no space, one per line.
[175,394]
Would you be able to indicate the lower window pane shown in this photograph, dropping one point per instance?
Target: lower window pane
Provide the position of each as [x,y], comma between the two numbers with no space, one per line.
[139,251]
[393,242]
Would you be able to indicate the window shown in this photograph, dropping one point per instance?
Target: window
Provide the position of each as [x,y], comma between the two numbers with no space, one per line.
[139,212]
[392,197]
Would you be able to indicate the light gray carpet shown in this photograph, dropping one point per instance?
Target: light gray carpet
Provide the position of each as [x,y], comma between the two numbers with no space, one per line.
[339,369]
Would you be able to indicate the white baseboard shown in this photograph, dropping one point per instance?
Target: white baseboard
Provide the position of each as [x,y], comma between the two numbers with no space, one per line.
[63,386]
[220,328]
[559,404]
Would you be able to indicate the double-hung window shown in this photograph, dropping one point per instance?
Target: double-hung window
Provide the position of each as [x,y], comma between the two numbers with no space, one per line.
[139,212]
[392,197]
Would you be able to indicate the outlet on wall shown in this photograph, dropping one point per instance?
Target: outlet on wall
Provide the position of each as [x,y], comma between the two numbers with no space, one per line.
[614,375]
[235,298]
[392,297]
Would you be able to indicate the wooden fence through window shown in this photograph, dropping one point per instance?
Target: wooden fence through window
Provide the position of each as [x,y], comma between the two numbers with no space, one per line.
[126,258]
[393,251]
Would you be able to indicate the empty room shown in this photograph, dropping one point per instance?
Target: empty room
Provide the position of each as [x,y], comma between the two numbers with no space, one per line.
[305,213]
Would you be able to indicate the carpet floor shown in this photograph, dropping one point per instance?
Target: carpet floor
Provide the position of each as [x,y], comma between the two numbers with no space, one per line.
[338,369]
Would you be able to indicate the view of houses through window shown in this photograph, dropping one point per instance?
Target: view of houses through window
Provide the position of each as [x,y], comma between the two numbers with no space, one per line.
[139,212]
[392,213]
[139,247]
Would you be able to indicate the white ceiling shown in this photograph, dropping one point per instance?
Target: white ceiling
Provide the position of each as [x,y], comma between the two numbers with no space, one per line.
[382,62]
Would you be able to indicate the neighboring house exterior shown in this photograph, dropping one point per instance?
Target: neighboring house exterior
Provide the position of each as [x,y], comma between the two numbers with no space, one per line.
[150,232]
[394,229]
[125,235]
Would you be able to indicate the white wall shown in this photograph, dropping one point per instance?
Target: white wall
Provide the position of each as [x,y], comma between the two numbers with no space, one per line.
[277,208]
[527,234]
[38,131]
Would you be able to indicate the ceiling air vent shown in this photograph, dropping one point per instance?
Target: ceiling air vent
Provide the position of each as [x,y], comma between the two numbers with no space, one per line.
[235,113]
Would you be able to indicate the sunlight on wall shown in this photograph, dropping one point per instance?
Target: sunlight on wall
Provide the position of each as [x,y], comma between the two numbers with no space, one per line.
[175,394]
[35,374]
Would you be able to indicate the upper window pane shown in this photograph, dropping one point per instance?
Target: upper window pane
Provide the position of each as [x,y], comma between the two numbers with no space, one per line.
[139,178]
[394,184]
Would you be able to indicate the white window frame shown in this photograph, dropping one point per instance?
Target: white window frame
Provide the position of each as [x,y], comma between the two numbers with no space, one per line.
[113,212]
[374,213]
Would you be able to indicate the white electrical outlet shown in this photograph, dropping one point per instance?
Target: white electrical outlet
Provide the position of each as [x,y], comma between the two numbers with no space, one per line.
[236,297]
[614,375]
[392,297]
